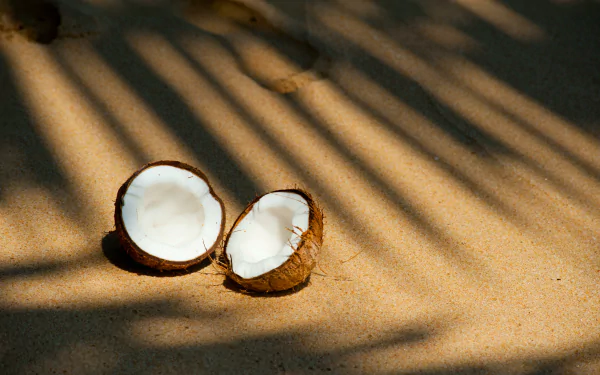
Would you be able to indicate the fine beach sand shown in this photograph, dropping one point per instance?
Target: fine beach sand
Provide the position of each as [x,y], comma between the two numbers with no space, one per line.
[454,147]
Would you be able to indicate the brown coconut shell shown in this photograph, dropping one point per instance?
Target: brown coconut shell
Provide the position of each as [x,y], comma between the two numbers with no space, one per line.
[299,265]
[140,255]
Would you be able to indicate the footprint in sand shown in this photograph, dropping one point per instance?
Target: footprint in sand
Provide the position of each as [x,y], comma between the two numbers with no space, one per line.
[266,53]
[44,21]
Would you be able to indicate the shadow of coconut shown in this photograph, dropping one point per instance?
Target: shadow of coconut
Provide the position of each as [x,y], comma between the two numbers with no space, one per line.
[114,252]
[235,287]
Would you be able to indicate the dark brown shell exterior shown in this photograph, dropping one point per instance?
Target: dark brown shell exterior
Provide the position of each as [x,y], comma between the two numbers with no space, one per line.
[140,255]
[299,265]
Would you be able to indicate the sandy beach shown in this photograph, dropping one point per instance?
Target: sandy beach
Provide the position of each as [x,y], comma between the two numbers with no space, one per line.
[454,147]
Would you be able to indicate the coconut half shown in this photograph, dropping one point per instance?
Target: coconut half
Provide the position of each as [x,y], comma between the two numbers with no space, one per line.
[273,245]
[168,217]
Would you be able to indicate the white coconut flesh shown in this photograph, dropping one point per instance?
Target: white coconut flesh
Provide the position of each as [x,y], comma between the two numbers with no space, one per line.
[170,213]
[266,237]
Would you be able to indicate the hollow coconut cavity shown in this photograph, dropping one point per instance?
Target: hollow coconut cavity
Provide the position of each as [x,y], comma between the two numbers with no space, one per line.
[168,217]
[274,243]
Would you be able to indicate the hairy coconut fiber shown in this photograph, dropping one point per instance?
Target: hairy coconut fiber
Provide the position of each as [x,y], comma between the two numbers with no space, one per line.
[297,268]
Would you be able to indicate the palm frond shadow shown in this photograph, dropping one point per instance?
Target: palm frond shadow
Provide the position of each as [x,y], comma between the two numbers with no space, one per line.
[114,338]
[35,339]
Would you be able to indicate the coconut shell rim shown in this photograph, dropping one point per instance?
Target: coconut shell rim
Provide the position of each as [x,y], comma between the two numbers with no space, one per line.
[313,207]
[140,255]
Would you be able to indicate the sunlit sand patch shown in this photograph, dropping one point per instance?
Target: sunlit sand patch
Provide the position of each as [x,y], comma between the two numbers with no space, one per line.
[433,80]
[563,152]
[437,148]
[516,315]
[551,125]
[80,283]
[33,232]
[72,128]
[129,110]
[557,131]
[453,94]
[155,138]
[42,210]
[428,192]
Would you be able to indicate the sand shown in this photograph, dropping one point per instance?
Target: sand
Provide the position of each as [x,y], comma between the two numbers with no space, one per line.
[454,146]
